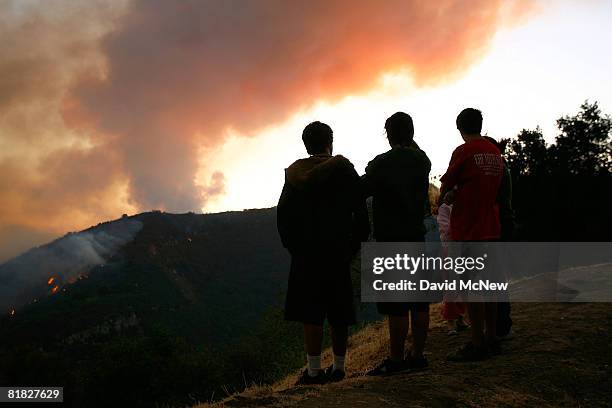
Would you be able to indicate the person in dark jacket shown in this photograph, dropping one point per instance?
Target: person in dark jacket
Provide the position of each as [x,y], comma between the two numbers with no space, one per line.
[507,222]
[322,219]
[398,182]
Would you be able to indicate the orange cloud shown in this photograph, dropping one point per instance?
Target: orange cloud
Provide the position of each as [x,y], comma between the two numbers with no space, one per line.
[105,106]
[180,73]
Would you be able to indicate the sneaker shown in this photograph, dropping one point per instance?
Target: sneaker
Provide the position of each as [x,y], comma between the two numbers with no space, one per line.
[507,336]
[494,347]
[469,352]
[388,367]
[306,379]
[334,375]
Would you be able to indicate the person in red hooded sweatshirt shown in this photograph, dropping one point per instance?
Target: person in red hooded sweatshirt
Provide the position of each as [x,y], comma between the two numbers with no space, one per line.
[471,184]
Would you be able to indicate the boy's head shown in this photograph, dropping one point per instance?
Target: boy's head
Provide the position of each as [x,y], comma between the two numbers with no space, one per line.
[318,138]
[400,129]
[469,122]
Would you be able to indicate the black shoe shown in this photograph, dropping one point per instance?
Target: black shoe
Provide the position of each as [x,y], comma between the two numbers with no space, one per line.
[417,363]
[306,379]
[508,335]
[469,352]
[494,347]
[388,367]
[334,375]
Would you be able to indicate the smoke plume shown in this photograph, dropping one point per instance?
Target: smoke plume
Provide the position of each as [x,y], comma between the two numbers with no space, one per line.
[114,106]
[32,275]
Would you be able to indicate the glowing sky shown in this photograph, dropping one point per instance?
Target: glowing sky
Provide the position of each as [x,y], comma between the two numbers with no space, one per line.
[121,106]
[535,72]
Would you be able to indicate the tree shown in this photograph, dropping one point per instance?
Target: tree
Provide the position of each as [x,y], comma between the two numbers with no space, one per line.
[527,154]
[555,187]
[583,146]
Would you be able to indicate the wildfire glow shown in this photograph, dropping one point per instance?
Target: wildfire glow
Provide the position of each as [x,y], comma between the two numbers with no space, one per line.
[55,289]
[50,281]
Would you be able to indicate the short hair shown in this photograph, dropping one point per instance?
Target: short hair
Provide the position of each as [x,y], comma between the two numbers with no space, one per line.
[317,136]
[469,121]
[400,128]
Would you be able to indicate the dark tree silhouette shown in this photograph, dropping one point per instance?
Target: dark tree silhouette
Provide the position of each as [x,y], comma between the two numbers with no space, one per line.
[527,154]
[558,189]
[583,146]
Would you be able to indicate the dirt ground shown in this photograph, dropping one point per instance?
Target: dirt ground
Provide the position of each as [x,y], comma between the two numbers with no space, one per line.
[560,355]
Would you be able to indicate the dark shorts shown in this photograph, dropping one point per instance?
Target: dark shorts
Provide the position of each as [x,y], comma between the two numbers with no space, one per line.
[320,288]
[401,308]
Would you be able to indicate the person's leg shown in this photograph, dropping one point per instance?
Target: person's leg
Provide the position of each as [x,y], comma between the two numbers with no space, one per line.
[398,315]
[453,311]
[339,335]
[477,349]
[446,312]
[420,326]
[398,331]
[313,339]
[504,321]
[476,311]
[491,321]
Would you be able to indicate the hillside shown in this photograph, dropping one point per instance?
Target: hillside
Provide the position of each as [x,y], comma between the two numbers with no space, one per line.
[157,307]
[159,264]
[155,265]
[560,355]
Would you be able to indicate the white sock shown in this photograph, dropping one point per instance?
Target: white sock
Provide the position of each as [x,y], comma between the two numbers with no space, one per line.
[339,362]
[314,365]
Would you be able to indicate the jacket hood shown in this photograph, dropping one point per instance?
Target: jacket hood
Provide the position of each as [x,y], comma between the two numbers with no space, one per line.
[319,170]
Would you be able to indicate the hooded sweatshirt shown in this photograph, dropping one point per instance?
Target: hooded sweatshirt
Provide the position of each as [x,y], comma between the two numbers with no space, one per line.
[398,181]
[321,208]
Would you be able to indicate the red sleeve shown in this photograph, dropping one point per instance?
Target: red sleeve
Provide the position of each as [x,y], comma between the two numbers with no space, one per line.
[451,177]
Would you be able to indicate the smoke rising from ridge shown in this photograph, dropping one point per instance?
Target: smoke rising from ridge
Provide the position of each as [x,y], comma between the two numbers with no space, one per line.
[130,97]
[24,278]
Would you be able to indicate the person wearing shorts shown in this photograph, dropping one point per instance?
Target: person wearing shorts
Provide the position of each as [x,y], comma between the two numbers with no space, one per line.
[398,182]
[322,220]
[471,183]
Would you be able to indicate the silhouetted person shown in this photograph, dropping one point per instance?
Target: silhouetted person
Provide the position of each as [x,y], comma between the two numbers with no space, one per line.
[471,183]
[506,219]
[322,219]
[398,182]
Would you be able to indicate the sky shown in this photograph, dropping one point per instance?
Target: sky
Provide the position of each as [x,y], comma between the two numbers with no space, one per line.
[111,107]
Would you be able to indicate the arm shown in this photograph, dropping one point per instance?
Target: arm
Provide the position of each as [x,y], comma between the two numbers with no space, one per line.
[361,221]
[443,220]
[367,180]
[504,199]
[450,179]
[427,211]
[284,215]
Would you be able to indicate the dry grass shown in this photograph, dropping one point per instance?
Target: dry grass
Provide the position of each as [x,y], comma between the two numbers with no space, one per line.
[561,356]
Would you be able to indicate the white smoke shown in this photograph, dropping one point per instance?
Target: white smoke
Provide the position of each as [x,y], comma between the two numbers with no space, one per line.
[25,278]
